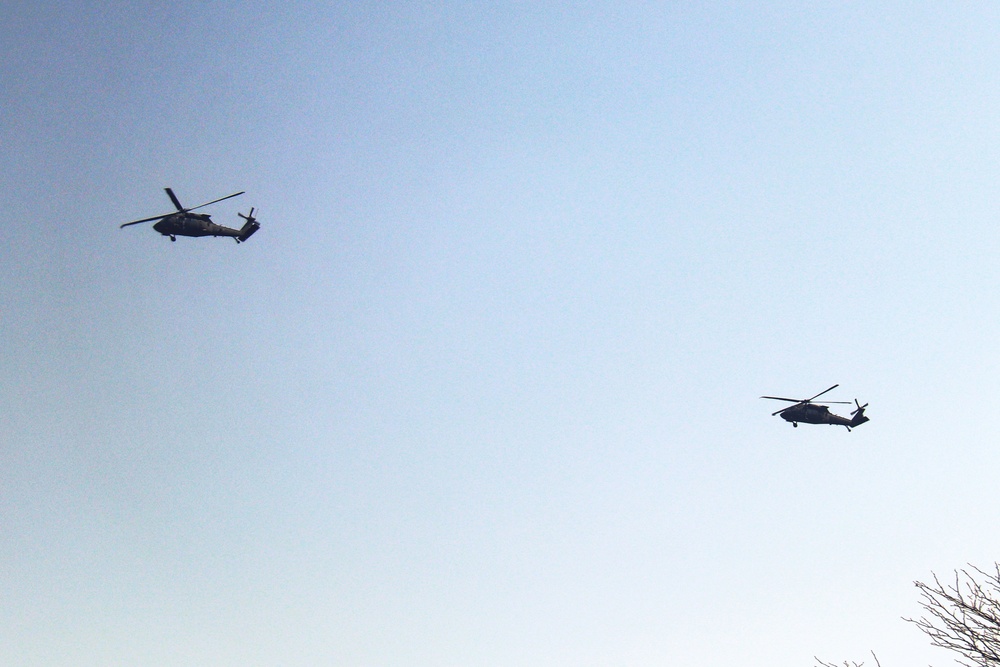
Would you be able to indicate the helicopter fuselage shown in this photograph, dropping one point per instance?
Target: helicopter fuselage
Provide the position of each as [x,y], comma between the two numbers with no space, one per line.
[200,224]
[810,413]
[192,224]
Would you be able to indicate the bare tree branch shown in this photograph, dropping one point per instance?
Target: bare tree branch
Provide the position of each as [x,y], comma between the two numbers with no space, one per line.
[964,617]
[823,663]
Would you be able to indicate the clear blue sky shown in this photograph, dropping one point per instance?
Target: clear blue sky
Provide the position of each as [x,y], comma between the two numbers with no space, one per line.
[484,388]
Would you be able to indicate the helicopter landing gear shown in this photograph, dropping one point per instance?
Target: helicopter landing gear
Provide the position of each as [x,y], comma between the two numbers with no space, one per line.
[173,238]
[795,425]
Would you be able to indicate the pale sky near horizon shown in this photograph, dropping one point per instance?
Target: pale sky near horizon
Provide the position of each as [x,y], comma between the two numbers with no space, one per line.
[484,388]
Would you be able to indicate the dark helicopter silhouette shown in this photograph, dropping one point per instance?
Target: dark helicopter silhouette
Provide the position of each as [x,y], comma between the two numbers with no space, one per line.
[807,412]
[186,223]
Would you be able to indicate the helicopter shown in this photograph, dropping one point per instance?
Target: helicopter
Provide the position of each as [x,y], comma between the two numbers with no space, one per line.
[807,412]
[185,223]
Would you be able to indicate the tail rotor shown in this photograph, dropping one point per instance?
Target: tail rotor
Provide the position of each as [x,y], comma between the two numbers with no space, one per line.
[858,414]
[249,228]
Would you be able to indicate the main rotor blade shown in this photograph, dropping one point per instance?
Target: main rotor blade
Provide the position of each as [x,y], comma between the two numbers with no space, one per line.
[821,393]
[237,194]
[806,401]
[173,198]
[136,222]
